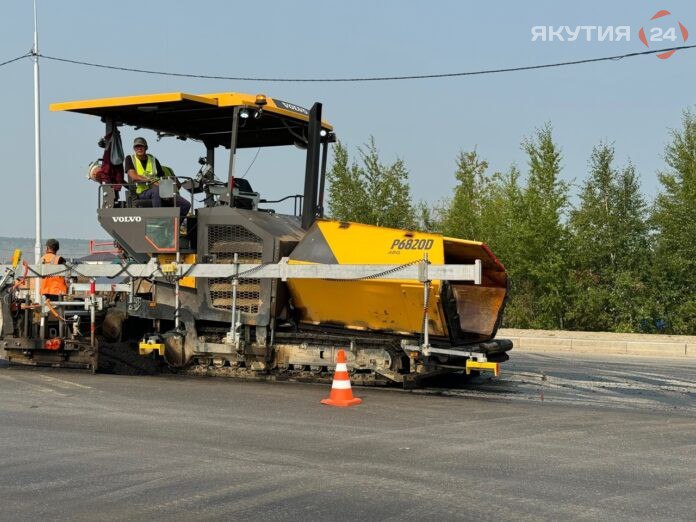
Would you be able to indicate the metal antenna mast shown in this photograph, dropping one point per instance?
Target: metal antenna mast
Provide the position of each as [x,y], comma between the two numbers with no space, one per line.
[37,142]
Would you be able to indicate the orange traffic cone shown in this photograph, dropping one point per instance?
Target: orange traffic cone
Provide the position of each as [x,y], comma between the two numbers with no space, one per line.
[341,393]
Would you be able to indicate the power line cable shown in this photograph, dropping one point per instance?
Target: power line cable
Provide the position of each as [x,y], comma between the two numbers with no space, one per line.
[371,78]
[15,59]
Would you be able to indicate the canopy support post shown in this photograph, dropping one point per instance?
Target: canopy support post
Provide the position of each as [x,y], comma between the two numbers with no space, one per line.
[233,154]
[309,203]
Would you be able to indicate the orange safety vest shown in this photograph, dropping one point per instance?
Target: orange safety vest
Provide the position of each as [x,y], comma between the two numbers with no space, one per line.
[52,285]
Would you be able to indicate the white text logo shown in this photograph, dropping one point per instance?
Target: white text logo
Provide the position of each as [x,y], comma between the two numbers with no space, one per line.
[587,33]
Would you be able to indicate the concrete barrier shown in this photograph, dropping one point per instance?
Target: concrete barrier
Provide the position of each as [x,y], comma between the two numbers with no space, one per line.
[545,344]
[652,349]
[600,342]
[598,345]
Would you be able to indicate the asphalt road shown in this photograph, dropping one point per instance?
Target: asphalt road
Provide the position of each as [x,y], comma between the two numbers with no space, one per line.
[102,447]
[610,381]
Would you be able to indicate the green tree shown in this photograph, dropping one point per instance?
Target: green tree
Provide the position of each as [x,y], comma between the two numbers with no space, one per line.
[542,270]
[463,216]
[347,195]
[429,217]
[610,254]
[674,219]
[484,207]
[499,218]
[372,192]
[502,229]
[630,298]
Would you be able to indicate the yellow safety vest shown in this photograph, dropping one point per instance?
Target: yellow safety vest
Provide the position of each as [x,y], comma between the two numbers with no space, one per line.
[147,172]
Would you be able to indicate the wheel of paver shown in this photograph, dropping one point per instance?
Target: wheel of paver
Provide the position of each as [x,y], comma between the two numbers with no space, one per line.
[174,349]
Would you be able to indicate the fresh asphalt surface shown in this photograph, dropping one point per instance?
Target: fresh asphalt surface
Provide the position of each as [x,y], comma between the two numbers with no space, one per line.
[555,437]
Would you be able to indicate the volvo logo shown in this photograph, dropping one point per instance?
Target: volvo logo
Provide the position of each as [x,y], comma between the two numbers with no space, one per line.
[126,219]
[290,107]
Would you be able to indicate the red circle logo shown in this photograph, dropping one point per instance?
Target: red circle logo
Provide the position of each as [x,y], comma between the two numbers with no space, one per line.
[661,34]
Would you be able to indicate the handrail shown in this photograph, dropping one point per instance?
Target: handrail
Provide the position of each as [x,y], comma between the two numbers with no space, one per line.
[93,243]
[281,199]
[130,187]
[131,192]
[297,203]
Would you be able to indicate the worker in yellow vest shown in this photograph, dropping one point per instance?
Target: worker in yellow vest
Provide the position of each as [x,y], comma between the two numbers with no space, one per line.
[54,286]
[145,170]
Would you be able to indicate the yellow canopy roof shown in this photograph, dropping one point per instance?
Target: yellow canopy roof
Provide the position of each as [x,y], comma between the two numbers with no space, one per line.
[205,117]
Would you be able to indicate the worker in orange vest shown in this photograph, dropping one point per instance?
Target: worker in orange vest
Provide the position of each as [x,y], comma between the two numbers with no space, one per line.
[54,286]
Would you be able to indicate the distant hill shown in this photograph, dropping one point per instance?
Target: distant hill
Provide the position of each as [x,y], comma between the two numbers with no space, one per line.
[69,248]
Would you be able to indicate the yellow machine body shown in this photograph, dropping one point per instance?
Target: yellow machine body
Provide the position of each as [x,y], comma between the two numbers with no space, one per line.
[458,310]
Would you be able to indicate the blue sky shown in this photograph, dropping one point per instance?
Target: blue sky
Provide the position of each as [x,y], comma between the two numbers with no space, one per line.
[632,103]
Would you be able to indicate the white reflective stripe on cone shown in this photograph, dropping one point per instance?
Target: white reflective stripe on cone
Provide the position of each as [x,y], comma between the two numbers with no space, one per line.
[341,385]
[341,367]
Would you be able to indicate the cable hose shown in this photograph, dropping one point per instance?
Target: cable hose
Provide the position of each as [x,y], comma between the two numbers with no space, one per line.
[377,275]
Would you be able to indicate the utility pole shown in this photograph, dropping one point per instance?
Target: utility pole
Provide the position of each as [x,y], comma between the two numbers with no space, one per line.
[37,145]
